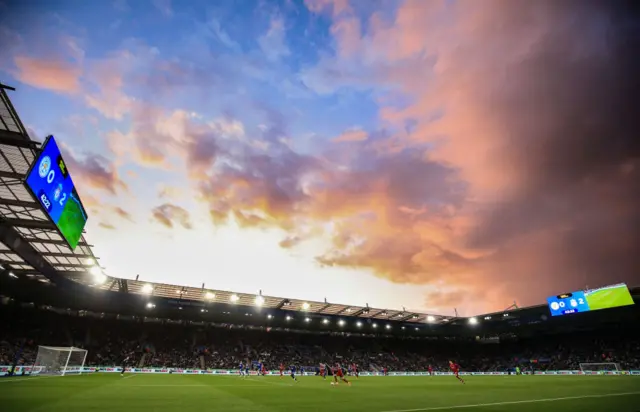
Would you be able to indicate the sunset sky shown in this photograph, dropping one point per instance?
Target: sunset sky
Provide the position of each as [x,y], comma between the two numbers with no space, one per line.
[425,154]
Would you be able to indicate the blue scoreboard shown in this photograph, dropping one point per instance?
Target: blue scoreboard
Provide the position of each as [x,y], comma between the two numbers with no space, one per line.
[594,299]
[568,303]
[51,185]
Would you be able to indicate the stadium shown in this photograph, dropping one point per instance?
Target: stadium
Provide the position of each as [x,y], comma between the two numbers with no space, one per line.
[76,339]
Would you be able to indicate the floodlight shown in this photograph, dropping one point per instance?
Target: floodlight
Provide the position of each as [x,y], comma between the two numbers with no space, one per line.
[325,321]
[90,262]
[209,295]
[100,279]
[431,318]
[341,322]
[388,326]
[288,317]
[305,306]
[358,324]
[473,321]
[147,288]
[269,316]
[234,298]
[259,300]
[307,319]
[150,305]
[95,270]
[375,325]
[13,275]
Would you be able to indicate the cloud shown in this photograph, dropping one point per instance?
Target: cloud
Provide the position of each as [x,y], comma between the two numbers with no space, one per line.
[522,105]
[123,213]
[51,74]
[94,171]
[352,135]
[168,214]
[107,226]
[164,6]
[273,42]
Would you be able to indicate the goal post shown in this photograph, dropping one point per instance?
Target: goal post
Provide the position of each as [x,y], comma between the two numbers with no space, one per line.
[600,367]
[56,360]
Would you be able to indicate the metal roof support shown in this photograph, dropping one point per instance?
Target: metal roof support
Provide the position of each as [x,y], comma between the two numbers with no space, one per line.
[19,203]
[30,224]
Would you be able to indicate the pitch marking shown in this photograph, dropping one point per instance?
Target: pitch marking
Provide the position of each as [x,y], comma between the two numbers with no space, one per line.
[482,405]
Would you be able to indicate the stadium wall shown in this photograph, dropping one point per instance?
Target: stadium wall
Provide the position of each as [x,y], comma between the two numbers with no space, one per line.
[28,370]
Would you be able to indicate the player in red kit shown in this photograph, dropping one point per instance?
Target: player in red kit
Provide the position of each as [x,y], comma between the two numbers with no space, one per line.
[323,371]
[281,371]
[354,370]
[430,369]
[455,368]
[338,373]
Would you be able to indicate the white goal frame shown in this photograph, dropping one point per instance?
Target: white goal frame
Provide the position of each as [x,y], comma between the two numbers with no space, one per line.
[600,366]
[57,359]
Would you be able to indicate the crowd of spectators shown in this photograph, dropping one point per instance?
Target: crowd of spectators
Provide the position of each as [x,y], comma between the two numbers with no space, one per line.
[109,341]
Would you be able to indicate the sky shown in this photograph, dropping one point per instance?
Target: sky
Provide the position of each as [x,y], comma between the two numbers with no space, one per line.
[422,154]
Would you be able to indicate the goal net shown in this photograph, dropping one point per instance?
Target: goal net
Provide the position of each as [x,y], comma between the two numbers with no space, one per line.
[600,367]
[54,360]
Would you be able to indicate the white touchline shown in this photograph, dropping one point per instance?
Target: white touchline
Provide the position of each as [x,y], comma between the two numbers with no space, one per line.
[481,405]
[130,376]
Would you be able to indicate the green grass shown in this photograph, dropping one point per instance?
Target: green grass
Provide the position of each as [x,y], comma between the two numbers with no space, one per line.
[608,298]
[177,393]
[71,222]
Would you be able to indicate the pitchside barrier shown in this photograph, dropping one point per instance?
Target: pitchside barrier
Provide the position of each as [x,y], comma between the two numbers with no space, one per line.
[28,370]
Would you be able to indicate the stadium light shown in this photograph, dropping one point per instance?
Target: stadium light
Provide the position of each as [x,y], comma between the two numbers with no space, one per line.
[403,328]
[147,289]
[269,316]
[13,275]
[473,321]
[95,270]
[209,296]
[506,315]
[417,329]
[388,326]
[305,306]
[90,262]
[234,298]
[150,305]
[259,300]
[325,321]
[307,319]
[288,317]
[431,318]
[348,310]
[178,291]
[487,318]
[358,324]
[100,279]
[341,322]
[375,325]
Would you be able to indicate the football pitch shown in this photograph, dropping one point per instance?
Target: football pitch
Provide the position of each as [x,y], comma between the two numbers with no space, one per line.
[173,393]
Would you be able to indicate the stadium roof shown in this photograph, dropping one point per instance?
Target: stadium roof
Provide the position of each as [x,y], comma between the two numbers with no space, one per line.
[21,212]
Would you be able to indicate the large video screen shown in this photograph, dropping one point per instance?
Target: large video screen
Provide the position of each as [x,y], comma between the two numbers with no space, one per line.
[588,300]
[49,182]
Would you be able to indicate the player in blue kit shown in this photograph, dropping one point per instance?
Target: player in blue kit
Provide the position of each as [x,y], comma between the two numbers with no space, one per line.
[242,370]
[293,373]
